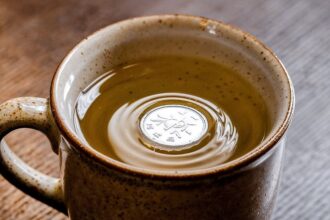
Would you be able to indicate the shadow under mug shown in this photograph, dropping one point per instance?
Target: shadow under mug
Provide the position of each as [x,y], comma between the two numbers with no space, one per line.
[93,186]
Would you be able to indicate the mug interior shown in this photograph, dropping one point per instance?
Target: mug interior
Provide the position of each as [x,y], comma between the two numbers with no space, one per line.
[138,38]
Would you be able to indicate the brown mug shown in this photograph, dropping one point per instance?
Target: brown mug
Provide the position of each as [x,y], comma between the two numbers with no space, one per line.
[93,186]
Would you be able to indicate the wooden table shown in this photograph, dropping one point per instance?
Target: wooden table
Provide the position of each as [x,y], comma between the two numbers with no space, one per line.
[36,35]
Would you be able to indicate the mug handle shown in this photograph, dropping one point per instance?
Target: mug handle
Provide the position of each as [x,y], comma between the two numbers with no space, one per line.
[30,112]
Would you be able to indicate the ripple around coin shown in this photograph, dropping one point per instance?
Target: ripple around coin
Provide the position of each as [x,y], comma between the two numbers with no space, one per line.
[214,148]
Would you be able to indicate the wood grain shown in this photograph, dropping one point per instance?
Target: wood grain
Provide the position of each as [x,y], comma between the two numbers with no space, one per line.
[36,35]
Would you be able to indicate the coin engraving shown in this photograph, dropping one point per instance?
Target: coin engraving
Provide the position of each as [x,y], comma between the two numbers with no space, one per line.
[173,125]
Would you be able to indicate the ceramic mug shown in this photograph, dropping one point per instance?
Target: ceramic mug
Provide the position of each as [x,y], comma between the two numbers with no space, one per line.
[93,186]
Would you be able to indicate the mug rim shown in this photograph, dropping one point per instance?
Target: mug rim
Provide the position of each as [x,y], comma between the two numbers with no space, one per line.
[252,156]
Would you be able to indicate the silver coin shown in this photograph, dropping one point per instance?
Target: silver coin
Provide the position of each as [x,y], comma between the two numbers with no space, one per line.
[173,126]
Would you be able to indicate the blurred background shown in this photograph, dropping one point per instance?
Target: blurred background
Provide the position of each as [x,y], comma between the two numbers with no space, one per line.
[36,35]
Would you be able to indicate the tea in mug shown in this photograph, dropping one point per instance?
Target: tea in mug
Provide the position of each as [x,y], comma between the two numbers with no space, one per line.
[172,113]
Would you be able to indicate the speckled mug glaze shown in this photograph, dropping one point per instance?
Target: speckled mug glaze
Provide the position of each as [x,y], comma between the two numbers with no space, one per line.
[93,186]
